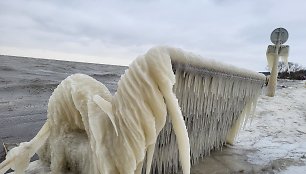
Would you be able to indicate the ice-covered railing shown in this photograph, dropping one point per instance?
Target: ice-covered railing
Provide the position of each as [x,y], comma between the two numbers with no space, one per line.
[88,130]
[215,99]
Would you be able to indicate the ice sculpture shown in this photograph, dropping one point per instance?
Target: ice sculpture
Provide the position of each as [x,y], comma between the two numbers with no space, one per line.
[90,131]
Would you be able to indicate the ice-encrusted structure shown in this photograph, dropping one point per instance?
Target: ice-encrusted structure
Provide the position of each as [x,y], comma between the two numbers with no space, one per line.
[90,131]
[216,100]
[283,54]
[273,55]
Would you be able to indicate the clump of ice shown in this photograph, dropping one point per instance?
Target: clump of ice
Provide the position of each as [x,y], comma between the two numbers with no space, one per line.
[283,54]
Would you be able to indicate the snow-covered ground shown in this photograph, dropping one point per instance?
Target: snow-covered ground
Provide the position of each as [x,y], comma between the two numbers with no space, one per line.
[274,141]
[278,129]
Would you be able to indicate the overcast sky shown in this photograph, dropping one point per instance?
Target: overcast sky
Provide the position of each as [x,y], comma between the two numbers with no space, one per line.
[117,31]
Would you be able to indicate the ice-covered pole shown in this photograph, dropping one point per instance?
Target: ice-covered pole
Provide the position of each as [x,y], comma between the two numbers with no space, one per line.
[274,72]
[278,37]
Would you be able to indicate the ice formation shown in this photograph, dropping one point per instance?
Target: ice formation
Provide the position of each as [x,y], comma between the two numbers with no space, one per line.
[273,55]
[216,100]
[90,131]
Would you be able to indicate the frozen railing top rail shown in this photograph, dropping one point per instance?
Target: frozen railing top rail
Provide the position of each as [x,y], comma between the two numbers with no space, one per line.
[196,63]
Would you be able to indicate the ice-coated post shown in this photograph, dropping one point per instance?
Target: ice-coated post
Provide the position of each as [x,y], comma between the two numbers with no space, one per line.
[273,77]
[278,37]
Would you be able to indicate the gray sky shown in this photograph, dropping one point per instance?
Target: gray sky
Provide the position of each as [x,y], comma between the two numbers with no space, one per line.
[117,31]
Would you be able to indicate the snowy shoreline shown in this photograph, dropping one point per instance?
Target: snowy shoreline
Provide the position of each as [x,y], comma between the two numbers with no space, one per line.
[278,129]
